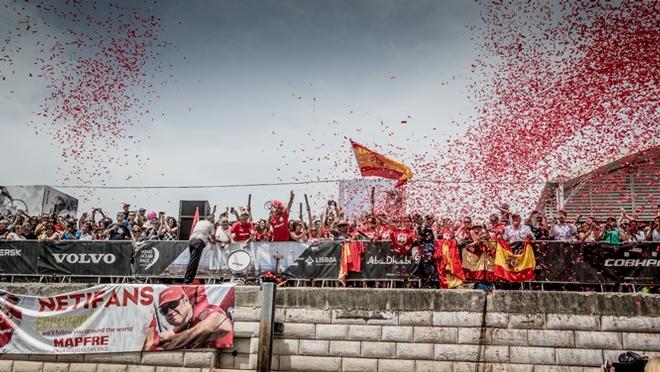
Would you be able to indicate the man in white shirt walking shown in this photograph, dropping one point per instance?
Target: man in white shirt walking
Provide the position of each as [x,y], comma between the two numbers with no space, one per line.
[202,234]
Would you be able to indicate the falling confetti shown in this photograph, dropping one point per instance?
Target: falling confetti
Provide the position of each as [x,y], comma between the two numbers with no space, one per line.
[99,64]
[558,89]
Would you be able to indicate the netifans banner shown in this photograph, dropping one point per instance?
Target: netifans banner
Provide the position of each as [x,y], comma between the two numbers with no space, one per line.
[118,318]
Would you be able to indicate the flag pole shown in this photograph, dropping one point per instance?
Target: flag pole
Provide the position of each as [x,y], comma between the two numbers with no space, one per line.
[364,182]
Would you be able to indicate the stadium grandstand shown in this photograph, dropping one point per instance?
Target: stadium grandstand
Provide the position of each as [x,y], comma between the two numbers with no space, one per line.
[630,183]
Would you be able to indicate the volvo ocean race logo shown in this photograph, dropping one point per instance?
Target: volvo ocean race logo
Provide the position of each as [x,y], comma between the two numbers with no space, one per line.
[148,257]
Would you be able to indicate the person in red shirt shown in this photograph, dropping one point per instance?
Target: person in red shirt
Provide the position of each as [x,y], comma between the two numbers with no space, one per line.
[196,325]
[279,219]
[402,237]
[369,229]
[384,228]
[261,232]
[243,229]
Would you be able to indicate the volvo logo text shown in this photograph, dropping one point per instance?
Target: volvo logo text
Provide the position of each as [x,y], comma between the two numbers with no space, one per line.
[92,258]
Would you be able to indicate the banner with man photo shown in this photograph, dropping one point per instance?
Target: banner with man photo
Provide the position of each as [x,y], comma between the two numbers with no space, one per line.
[118,318]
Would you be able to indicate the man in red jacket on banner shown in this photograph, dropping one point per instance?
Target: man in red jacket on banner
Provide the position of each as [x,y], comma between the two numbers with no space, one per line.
[197,324]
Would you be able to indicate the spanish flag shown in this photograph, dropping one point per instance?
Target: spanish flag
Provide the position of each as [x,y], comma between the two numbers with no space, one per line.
[478,260]
[514,267]
[448,263]
[350,259]
[372,163]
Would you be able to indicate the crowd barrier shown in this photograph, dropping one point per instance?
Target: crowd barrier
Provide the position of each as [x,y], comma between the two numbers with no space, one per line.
[556,261]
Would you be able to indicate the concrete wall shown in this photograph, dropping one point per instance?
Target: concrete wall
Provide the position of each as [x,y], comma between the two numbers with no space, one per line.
[406,330]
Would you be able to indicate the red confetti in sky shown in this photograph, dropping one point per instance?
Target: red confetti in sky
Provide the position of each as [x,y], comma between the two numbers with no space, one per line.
[559,89]
[98,62]
[566,87]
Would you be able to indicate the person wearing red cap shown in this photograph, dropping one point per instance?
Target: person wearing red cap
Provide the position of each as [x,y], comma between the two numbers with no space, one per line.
[195,325]
[243,229]
[279,219]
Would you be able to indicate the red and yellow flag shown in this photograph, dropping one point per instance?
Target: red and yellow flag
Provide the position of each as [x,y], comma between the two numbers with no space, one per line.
[514,267]
[350,259]
[195,220]
[372,163]
[478,260]
[448,263]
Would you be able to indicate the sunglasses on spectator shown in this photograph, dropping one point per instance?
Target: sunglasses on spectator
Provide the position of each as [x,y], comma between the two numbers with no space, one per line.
[165,308]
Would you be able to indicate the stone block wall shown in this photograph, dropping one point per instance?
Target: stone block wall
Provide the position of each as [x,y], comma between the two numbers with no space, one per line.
[328,329]
[427,330]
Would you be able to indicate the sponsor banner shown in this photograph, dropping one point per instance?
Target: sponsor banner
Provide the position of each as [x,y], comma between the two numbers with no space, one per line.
[70,257]
[264,257]
[382,263]
[318,261]
[637,263]
[274,256]
[18,257]
[152,257]
[379,263]
[118,318]
[211,263]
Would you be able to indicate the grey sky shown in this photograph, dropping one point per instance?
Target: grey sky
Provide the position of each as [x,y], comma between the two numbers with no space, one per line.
[246,63]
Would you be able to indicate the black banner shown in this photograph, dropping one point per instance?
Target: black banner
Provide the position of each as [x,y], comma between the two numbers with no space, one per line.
[85,258]
[152,257]
[594,263]
[637,263]
[379,262]
[18,257]
[318,261]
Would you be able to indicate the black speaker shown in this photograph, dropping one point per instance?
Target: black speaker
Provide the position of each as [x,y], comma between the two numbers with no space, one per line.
[187,213]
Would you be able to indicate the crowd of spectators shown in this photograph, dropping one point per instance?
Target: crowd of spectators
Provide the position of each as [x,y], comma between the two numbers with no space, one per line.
[405,231]
[137,225]
[416,229]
